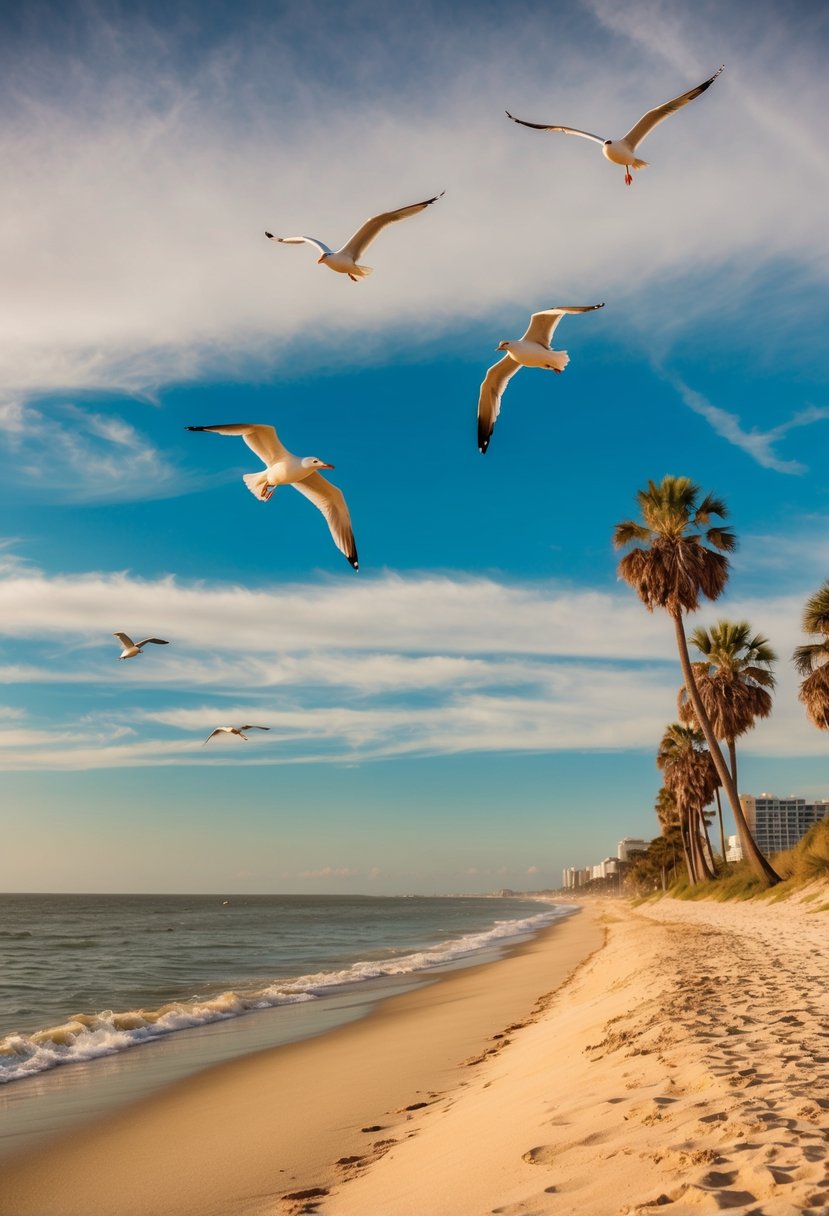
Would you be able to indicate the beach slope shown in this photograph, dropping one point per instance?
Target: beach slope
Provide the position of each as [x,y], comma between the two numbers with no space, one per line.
[683,1069]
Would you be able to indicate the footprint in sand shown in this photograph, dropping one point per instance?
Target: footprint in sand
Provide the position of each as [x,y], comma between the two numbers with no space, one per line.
[543,1154]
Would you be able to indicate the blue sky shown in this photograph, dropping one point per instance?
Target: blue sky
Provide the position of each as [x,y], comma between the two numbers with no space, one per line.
[480,704]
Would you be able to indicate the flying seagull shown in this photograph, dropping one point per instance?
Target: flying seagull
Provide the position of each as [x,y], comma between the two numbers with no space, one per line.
[233,730]
[344,260]
[623,151]
[532,350]
[131,648]
[282,468]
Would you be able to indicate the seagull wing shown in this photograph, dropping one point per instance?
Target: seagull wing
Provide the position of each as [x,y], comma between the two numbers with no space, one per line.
[157,641]
[489,401]
[648,121]
[541,126]
[261,439]
[123,639]
[299,240]
[330,500]
[251,727]
[356,246]
[542,325]
[215,732]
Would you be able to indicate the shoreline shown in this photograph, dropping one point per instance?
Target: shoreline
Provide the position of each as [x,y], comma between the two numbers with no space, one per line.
[671,1056]
[106,1069]
[234,1137]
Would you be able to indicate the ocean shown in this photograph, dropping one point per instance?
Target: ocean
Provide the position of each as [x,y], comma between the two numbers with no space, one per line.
[84,978]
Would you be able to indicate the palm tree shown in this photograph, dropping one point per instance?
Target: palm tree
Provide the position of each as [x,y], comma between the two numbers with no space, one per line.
[812,660]
[666,810]
[734,681]
[689,774]
[682,559]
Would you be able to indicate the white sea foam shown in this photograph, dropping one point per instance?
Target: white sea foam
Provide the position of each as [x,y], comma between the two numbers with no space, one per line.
[90,1036]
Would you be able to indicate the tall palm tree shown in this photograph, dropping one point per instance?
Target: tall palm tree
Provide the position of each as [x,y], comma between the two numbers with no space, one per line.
[812,660]
[689,774]
[681,559]
[734,681]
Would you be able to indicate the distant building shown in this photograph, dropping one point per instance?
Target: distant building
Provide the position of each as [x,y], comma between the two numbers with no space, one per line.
[778,823]
[575,877]
[629,845]
[734,851]
[605,868]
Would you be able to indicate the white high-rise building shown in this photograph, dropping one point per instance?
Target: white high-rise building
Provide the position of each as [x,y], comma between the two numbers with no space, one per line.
[575,877]
[630,844]
[778,823]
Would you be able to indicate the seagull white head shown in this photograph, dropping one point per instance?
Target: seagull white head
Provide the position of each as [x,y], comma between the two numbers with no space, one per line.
[314,462]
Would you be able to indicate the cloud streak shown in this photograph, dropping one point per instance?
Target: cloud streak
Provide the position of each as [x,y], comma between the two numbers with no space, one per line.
[759,445]
[85,455]
[418,666]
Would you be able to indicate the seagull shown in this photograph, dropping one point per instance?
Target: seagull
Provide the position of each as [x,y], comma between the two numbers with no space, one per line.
[623,151]
[282,468]
[344,260]
[532,350]
[233,730]
[131,648]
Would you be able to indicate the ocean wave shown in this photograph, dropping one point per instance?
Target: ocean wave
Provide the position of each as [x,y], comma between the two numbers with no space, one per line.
[90,1036]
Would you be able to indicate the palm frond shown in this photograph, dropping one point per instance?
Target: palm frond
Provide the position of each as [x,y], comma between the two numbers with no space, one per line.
[709,506]
[629,531]
[816,612]
[810,656]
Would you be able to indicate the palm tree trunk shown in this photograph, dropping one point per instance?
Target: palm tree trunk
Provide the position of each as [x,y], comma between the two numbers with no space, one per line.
[702,840]
[712,865]
[762,868]
[695,847]
[722,832]
[732,760]
[686,850]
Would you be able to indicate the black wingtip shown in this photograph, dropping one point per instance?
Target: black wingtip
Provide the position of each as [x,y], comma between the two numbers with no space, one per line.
[352,561]
[270,236]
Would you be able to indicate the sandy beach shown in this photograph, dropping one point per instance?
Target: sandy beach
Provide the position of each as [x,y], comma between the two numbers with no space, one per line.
[681,1065]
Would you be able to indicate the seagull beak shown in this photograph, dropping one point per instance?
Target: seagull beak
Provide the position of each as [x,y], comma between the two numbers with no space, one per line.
[327,466]
[321,258]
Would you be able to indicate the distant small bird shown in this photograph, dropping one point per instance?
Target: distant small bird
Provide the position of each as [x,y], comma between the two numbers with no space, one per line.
[233,730]
[282,468]
[131,648]
[532,350]
[344,260]
[623,151]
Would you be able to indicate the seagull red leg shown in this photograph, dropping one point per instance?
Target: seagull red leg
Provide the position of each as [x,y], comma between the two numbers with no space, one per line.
[628,176]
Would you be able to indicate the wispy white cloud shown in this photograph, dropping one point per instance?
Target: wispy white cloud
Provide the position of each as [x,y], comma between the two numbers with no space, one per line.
[760,445]
[132,244]
[393,667]
[82,454]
